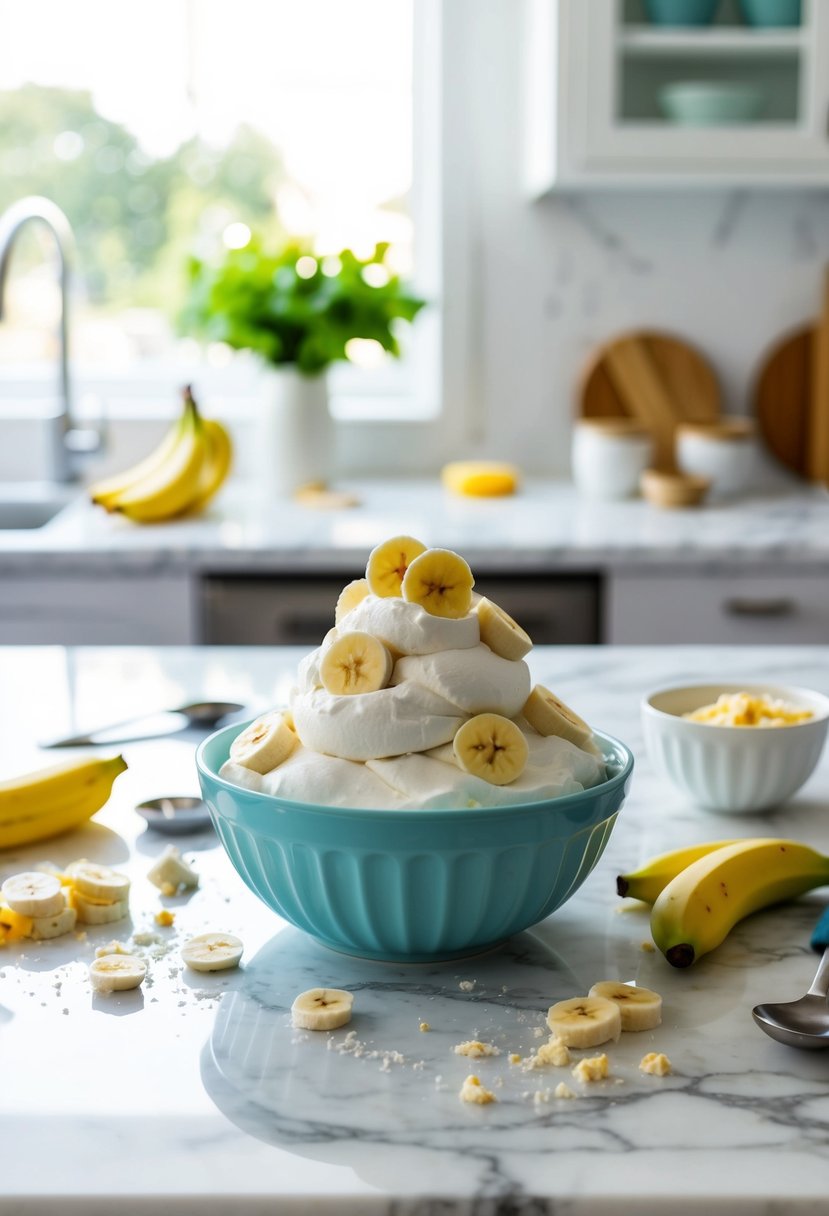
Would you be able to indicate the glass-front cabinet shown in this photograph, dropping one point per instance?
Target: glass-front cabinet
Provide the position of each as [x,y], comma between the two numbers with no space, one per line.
[677,91]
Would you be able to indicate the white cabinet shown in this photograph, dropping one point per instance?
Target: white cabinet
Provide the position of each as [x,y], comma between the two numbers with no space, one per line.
[744,609]
[88,610]
[597,72]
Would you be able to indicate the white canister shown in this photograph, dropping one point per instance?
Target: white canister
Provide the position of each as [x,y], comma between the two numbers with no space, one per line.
[609,456]
[724,451]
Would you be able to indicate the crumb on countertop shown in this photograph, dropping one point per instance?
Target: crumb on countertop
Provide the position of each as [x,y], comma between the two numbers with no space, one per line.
[473,1091]
[475,1049]
[656,1063]
[591,1068]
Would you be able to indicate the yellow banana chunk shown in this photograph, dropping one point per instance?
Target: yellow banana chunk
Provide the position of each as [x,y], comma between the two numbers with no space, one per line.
[13,926]
[171,486]
[698,908]
[480,478]
[352,594]
[441,582]
[640,1008]
[492,747]
[218,457]
[33,894]
[388,563]
[473,1091]
[646,882]
[585,1021]
[547,714]
[266,743]
[45,927]
[171,872]
[53,800]
[97,881]
[322,1009]
[97,912]
[116,972]
[212,952]
[355,663]
[501,633]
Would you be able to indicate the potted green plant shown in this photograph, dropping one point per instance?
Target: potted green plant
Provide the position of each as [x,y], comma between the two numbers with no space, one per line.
[297,312]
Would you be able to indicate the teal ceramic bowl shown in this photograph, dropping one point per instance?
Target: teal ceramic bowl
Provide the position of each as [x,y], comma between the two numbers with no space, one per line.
[412,886]
[706,103]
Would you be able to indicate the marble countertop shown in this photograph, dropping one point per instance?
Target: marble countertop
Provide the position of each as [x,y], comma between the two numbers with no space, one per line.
[195,1095]
[546,526]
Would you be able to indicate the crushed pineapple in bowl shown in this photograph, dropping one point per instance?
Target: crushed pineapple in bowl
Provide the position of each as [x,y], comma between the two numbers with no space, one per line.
[420,798]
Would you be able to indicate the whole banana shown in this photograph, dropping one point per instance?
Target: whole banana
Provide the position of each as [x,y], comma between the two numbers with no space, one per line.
[54,800]
[698,908]
[647,882]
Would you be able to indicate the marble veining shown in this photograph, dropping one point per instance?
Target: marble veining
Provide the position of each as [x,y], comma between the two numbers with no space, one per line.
[197,1094]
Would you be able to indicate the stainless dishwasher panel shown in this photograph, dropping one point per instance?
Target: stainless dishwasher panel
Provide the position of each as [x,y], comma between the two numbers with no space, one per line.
[263,610]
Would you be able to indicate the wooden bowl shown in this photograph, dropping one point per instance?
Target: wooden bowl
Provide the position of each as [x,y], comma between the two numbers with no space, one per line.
[673,489]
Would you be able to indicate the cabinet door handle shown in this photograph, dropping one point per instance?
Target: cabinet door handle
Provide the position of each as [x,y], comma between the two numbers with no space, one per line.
[744,606]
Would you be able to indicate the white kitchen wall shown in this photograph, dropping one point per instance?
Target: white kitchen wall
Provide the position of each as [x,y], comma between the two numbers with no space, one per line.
[729,271]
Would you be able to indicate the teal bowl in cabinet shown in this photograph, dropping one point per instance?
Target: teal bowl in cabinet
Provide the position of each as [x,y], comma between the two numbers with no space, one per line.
[681,12]
[412,885]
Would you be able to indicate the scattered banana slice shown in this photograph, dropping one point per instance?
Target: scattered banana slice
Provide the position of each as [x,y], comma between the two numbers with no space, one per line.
[388,563]
[585,1021]
[352,594]
[98,881]
[492,747]
[322,1009]
[44,927]
[640,1008]
[355,662]
[171,872]
[441,582]
[116,972]
[550,716]
[265,744]
[501,633]
[34,894]
[93,912]
[212,952]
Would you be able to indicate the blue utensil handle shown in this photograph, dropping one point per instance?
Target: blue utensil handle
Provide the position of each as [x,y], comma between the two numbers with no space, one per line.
[820,934]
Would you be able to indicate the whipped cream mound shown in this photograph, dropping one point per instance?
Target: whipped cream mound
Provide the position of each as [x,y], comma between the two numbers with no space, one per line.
[475,680]
[409,628]
[406,718]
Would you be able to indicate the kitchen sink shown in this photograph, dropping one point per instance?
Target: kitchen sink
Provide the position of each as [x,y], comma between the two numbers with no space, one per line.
[30,505]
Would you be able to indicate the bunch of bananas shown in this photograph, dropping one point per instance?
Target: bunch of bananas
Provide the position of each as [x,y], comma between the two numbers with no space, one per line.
[178,478]
[700,893]
[54,800]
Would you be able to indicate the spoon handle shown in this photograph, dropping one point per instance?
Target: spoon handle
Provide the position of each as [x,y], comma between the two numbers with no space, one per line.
[820,984]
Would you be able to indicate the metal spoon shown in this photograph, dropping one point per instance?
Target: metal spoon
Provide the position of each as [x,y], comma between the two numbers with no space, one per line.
[175,815]
[201,714]
[803,1023]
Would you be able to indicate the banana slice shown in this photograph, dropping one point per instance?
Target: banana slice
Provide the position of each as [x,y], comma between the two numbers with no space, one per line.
[352,594]
[355,662]
[492,747]
[94,912]
[585,1021]
[640,1008]
[441,582]
[265,744]
[98,882]
[501,633]
[116,972]
[34,894]
[171,871]
[388,563]
[550,716]
[322,1009]
[212,952]
[44,927]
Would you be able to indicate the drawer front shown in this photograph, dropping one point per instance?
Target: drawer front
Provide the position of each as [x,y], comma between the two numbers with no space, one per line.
[95,611]
[266,611]
[740,610]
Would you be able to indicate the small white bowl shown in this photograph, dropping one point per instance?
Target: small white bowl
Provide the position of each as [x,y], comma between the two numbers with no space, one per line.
[733,768]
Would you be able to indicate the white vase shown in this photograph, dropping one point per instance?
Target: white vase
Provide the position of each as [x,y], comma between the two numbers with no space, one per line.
[296,443]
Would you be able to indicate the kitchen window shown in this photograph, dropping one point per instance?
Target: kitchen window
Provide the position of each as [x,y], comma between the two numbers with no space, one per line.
[187,126]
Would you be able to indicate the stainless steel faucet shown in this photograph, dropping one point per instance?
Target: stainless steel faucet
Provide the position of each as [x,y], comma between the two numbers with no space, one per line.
[71,440]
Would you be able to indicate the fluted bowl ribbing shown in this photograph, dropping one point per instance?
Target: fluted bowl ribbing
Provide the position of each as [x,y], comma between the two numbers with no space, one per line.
[412,885]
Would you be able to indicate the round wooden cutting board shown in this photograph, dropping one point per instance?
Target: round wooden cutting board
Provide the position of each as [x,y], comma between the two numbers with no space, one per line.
[783,395]
[657,378]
